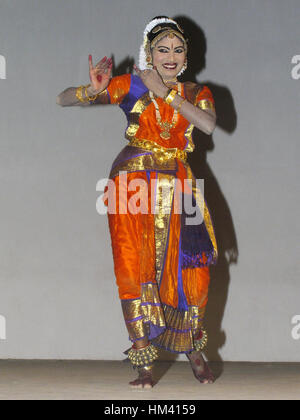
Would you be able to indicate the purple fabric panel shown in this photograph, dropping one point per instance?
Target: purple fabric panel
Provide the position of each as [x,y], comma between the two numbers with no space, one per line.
[177,330]
[137,339]
[134,319]
[195,241]
[137,89]
[192,261]
[108,96]
[150,303]
[128,152]
[182,302]
[148,175]
[155,331]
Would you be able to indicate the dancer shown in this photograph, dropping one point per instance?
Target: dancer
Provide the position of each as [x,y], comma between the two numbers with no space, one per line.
[161,261]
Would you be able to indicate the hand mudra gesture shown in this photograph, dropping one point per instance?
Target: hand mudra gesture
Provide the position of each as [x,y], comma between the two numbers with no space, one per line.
[100,74]
[152,80]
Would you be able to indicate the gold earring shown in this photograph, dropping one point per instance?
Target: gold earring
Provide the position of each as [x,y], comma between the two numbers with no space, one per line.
[148,59]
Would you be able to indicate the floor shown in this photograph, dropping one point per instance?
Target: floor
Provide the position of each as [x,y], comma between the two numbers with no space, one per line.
[107,380]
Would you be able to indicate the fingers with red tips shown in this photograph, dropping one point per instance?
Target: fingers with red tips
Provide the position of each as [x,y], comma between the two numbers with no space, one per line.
[90,62]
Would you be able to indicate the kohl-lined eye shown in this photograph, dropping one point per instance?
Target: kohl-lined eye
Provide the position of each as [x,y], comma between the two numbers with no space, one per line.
[164,50]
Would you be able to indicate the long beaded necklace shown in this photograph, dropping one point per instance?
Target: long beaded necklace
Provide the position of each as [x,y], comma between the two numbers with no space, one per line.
[165,125]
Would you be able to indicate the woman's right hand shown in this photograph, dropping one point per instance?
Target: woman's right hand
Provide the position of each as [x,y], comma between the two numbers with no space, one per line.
[100,75]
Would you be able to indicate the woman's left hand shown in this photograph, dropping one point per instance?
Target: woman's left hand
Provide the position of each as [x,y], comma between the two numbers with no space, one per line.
[152,80]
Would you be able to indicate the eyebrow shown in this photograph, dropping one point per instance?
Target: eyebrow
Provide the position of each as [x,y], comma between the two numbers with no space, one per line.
[163,46]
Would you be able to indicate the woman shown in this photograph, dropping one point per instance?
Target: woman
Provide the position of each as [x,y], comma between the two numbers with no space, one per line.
[160,260]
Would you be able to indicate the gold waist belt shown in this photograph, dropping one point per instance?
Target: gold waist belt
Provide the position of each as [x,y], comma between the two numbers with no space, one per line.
[161,153]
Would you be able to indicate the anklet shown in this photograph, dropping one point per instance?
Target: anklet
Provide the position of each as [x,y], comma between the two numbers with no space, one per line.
[143,357]
[200,342]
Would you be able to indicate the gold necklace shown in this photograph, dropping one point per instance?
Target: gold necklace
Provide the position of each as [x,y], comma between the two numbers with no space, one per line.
[174,80]
[165,125]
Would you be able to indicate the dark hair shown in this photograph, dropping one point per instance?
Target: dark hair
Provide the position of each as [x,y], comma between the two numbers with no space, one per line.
[162,27]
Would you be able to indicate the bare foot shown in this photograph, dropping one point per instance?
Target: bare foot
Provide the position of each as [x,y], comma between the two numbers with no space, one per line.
[144,380]
[200,368]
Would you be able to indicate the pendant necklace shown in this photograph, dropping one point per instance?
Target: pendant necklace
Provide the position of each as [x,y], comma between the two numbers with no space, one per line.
[165,125]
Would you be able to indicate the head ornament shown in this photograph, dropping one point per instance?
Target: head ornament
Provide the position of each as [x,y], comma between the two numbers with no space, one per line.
[158,28]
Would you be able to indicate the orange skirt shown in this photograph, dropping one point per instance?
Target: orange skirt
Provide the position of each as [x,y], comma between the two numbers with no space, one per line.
[160,299]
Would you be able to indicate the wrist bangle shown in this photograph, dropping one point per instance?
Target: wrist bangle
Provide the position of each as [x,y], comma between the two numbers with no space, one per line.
[90,98]
[179,106]
[87,97]
[167,94]
[79,93]
[170,97]
[205,104]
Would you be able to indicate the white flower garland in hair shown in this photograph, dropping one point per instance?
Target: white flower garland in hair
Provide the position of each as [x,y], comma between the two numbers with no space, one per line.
[155,22]
[143,65]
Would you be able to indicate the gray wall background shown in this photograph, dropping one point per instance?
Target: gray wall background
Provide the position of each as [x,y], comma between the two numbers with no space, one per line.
[57,287]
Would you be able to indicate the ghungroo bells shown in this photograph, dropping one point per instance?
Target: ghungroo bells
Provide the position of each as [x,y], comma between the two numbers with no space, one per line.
[201,341]
[143,357]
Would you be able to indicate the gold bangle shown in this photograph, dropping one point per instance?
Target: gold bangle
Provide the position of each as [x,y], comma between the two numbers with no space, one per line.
[90,98]
[205,104]
[167,94]
[179,106]
[170,97]
[87,97]
[79,93]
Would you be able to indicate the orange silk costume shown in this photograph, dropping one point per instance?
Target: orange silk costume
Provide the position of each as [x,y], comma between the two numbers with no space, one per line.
[160,263]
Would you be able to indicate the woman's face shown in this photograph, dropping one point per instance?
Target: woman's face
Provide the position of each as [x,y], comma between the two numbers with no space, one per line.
[168,56]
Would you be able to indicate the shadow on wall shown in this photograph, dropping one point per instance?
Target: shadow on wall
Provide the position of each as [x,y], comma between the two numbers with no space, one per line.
[216,202]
